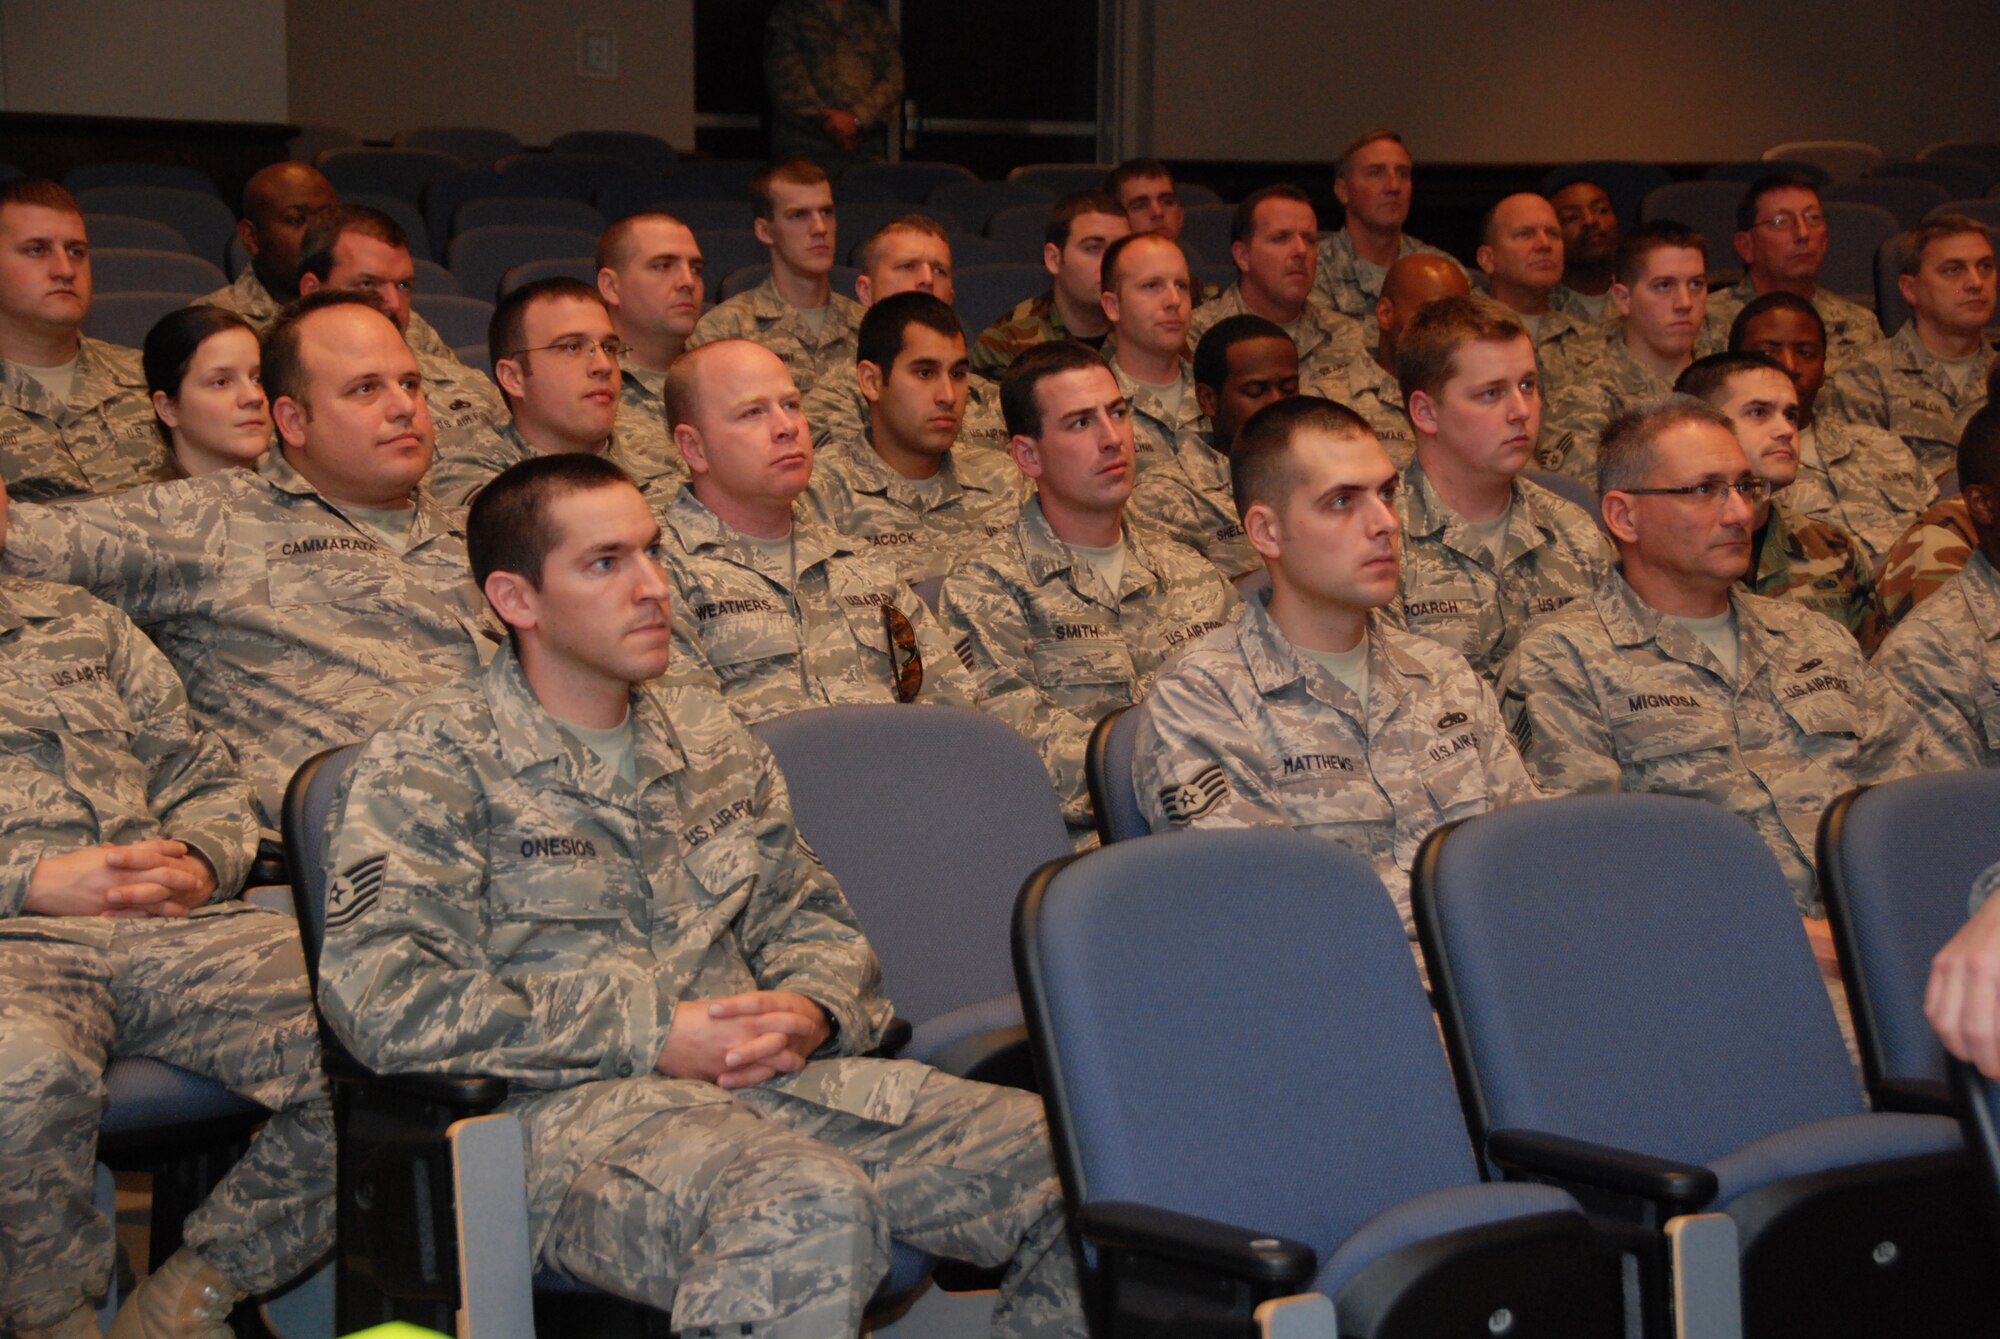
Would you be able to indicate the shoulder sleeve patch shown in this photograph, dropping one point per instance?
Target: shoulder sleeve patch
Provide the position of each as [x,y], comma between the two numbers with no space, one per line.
[1195,797]
[354,891]
[1523,733]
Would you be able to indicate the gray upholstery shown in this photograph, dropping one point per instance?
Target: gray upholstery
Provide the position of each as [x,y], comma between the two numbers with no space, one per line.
[124,318]
[123,230]
[1119,817]
[481,256]
[115,269]
[200,217]
[977,201]
[909,182]
[402,173]
[475,146]
[458,320]
[984,294]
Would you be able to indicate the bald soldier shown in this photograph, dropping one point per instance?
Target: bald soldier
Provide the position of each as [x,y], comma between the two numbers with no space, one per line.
[1310,711]
[1272,236]
[1946,655]
[306,600]
[1368,385]
[1144,189]
[1521,255]
[1590,246]
[650,275]
[1372,182]
[277,202]
[1147,296]
[773,610]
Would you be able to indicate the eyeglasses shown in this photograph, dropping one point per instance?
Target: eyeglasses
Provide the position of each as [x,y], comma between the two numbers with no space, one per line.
[1711,491]
[579,347]
[1785,222]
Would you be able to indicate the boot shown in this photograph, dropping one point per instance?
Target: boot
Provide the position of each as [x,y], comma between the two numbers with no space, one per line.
[78,1324]
[183,1299]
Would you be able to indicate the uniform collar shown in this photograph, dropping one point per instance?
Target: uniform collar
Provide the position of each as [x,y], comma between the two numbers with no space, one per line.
[280,476]
[531,740]
[869,473]
[1047,555]
[698,530]
[23,600]
[1430,515]
[1631,622]
[100,376]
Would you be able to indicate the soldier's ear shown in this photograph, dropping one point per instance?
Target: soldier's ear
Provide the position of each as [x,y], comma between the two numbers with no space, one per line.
[1621,298]
[1027,455]
[1108,300]
[1618,517]
[1744,251]
[1052,257]
[1239,255]
[868,377]
[1207,399]
[1483,258]
[1906,284]
[687,440]
[168,412]
[607,286]
[1423,412]
[508,373]
[1984,503]
[1262,529]
[512,598]
[246,233]
[762,229]
[288,416]
[864,291]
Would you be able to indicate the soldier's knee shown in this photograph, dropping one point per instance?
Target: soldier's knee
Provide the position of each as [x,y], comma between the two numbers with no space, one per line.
[42,1081]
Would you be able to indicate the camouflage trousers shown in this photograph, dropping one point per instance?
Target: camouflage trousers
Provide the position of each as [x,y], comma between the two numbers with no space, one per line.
[222,995]
[772,1216]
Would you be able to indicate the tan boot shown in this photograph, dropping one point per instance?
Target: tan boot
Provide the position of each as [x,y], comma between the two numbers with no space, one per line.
[183,1299]
[78,1324]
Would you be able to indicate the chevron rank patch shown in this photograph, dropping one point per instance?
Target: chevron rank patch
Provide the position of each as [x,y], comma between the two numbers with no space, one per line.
[1196,796]
[354,891]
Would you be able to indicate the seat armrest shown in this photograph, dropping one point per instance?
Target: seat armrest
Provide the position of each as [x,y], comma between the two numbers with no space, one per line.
[1917,1097]
[474,1094]
[1679,1187]
[894,1038]
[998,1055]
[1200,1243]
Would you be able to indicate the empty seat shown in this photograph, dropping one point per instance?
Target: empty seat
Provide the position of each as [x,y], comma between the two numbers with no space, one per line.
[712,179]
[536,210]
[1908,198]
[1840,159]
[124,318]
[1984,211]
[434,278]
[86,176]
[1021,231]
[969,248]
[637,147]
[458,320]
[575,176]
[1207,229]
[1114,804]
[727,250]
[480,256]
[985,293]
[444,197]
[1985,152]
[910,182]
[405,213]
[581,268]
[128,270]
[122,230]
[1855,231]
[1961,178]
[200,217]
[474,356]
[399,172]
[1625,182]
[315,138]
[1891,312]
[1709,207]
[977,201]
[1748,170]
[703,215]
[474,146]
[1064,178]
[1192,193]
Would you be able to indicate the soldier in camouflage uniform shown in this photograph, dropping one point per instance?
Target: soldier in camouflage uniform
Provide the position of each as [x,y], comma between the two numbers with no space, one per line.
[1521,256]
[1781,237]
[1144,189]
[1080,227]
[908,485]
[794,313]
[1931,552]
[1751,703]
[1368,385]
[277,202]
[611,909]
[835,75]
[649,273]
[1270,721]
[305,601]
[1372,183]
[1863,479]
[1662,283]
[772,609]
[1590,246]
[74,416]
[1945,657]
[1147,297]
[1274,230]
[1468,369]
[1241,365]
[1924,382]
[556,360]
[1071,615]
[126,836]
[1812,562]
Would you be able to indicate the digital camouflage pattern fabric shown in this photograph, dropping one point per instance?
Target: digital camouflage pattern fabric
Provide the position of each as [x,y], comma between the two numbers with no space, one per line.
[1850,327]
[761,316]
[104,439]
[1350,285]
[1901,386]
[1325,339]
[1817,566]
[1189,499]
[468,465]
[1945,657]
[1862,479]
[921,526]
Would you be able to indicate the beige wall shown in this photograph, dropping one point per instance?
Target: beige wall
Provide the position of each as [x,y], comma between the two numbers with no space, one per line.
[1474,82]
[379,66]
[202,60]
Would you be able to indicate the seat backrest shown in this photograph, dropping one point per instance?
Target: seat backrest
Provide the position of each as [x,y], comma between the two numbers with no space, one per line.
[725,251]
[1570,489]
[86,176]
[475,146]
[1144,970]
[1978,1099]
[1962,178]
[859,219]
[123,230]
[458,320]
[125,318]
[1855,232]
[985,293]
[308,800]
[1709,207]
[909,182]
[198,216]
[1908,198]
[446,196]
[930,817]
[545,211]
[1895,864]
[581,268]
[977,201]
[434,278]
[704,215]
[481,256]
[971,248]
[1840,159]
[1108,772]
[405,213]
[1628,969]
[649,151]
[1193,193]
[1207,227]
[115,269]
[1625,182]
[1021,231]
[475,355]
[711,179]
[1064,178]
[402,173]
[1985,152]
[1747,170]
[1891,312]
[1983,211]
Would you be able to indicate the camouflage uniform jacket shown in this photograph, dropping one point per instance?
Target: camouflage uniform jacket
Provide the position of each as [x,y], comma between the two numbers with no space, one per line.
[1189,499]
[1945,658]
[1370,390]
[1574,420]
[1566,351]
[1350,285]
[294,629]
[1157,432]
[1326,340]
[1587,311]
[469,464]
[96,745]
[249,299]
[641,425]
[1850,327]
[1035,321]
[463,402]
[1901,386]
[820,57]
[1051,650]
[104,440]
[1609,694]
[1931,552]
[1819,566]
[835,409]
[1863,479]
[921,527]
[764,317]
[1244,731]
[501,902]
[1448,589]
[770,643]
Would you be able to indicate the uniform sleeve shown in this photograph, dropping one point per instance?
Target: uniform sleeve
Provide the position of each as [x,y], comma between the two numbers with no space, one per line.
[1160,504]
[126,549]
[1856,394]
[1924,559]
[803,936]
[990,636]
[192,785]
[1193,761]
[947,682]
[788,72]
[1507,779]
[730,320]
[1918,664]
[1554,718]
[471,462]
[1572,425]
[1896,741]
[403,978]
[878,104]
